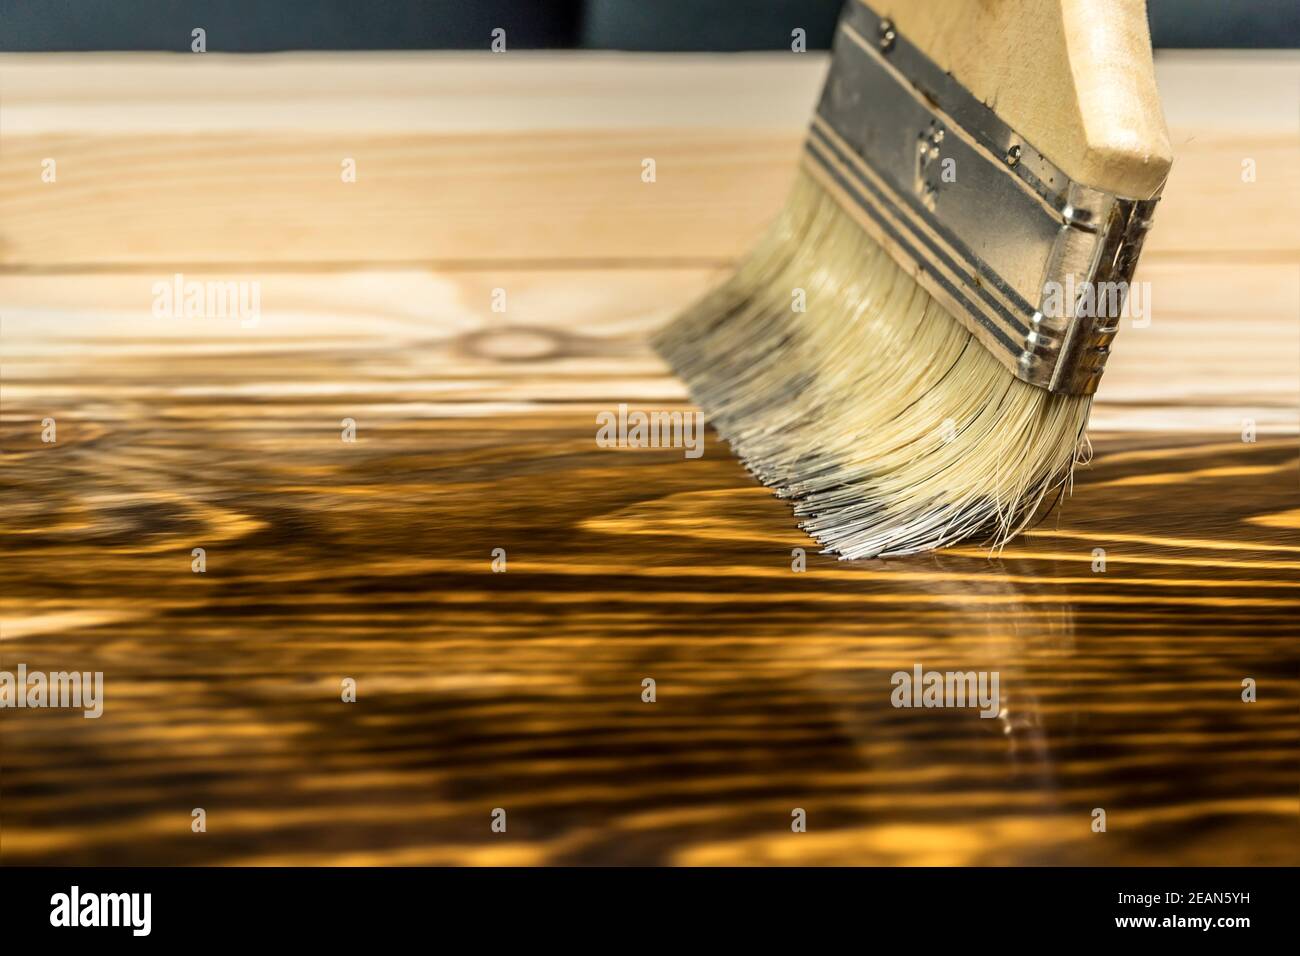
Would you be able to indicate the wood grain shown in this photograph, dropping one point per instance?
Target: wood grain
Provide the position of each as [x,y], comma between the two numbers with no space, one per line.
[461,160]
[522,690]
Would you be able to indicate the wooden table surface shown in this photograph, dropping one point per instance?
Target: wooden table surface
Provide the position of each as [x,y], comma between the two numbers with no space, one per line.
[372,560]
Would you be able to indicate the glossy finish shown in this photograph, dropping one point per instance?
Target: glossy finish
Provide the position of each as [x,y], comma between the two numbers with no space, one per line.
[522,690]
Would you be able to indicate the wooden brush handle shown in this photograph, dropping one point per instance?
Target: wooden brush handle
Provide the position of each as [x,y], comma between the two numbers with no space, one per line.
[1073,77]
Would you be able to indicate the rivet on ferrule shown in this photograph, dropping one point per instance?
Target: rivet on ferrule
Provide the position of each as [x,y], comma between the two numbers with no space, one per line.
[887,35]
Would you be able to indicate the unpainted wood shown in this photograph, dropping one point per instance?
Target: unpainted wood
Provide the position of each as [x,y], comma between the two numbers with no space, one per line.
[211,160]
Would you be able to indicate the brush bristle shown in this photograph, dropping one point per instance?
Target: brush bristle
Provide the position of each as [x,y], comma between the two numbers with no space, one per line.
[886,423]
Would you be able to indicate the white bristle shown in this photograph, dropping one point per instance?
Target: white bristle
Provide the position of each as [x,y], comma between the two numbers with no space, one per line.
[887,425]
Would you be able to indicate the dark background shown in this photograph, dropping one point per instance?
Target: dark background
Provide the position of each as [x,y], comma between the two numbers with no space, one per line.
[263,25]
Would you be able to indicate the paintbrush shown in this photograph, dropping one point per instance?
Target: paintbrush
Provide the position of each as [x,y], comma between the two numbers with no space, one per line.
[909,354]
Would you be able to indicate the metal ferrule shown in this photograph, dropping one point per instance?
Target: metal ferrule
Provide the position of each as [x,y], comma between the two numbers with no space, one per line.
[986,223]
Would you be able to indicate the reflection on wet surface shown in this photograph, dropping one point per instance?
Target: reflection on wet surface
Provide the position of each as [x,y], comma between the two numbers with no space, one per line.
[1120,689]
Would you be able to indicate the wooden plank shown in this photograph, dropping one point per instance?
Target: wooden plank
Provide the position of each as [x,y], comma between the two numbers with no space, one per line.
[476,431]
[1217,343]
[463,159]
[522,690]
